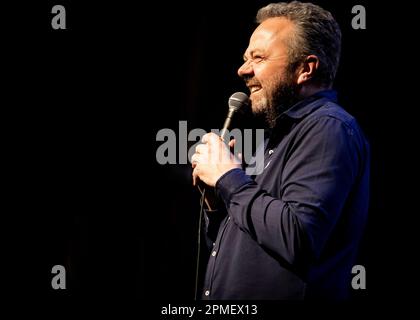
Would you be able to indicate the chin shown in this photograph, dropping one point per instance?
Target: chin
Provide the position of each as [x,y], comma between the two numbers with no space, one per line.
[258,105]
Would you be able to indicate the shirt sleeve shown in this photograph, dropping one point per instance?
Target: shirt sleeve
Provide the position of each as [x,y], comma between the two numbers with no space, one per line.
[315,183]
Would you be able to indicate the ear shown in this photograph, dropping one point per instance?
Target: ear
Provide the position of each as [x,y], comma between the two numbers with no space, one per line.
[307,69]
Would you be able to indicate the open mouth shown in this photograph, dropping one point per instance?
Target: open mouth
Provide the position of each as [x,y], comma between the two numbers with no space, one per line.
[254,89]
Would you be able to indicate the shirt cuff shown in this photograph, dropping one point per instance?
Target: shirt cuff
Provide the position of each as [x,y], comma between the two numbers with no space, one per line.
[230,183]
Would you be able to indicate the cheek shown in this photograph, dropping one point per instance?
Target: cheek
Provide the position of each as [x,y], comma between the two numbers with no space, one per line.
[271,71]
[260,73]
[266,76]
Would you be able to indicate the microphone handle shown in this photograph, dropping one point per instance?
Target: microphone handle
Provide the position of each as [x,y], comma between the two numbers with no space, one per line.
[200,185]
[226,125]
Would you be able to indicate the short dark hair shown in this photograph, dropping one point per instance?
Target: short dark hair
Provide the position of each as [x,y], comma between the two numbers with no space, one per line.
[317,33]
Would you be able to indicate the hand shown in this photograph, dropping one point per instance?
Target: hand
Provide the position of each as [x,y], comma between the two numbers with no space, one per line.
[212,159]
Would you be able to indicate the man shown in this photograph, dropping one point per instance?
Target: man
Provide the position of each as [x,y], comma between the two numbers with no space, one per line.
[292,231]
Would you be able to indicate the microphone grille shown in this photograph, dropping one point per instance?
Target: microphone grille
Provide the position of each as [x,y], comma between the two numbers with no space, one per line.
[237,101]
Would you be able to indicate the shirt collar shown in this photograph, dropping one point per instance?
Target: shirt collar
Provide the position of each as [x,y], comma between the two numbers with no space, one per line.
[310,104]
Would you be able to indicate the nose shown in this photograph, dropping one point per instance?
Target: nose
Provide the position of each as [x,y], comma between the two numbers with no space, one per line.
[246,69]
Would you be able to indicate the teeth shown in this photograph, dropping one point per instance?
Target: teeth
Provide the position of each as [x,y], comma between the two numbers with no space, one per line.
[253,89]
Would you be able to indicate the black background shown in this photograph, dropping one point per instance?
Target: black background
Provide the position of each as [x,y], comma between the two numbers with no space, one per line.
[82,109]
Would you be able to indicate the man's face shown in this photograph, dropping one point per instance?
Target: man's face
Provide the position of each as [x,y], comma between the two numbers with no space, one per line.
[272,86]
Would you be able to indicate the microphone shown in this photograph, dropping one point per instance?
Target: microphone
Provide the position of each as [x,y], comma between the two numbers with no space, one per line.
[237,101]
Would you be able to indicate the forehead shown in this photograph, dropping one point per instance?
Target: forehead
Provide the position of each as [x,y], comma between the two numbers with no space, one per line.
[271,33]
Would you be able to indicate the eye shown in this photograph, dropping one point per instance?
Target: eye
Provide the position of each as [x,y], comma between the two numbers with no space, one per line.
[257,58]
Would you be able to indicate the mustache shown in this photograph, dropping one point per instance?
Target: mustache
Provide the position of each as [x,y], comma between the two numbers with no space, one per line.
[252,82]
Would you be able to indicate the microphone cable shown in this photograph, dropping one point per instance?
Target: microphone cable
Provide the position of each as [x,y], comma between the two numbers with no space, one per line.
[237,101]
[200,219]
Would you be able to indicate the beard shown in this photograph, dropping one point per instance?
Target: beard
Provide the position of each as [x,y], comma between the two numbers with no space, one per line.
[281,93]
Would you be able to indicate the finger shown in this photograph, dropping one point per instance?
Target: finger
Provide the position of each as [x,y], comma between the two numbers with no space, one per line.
[194,160]
[201,148]
[210,137]
[204,139]
[232,143]
[195,177]
[198,158]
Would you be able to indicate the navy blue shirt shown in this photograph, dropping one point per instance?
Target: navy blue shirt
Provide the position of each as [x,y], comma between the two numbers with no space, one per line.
[292,231]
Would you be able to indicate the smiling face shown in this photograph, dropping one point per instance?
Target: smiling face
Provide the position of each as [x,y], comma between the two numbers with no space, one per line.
[266,69]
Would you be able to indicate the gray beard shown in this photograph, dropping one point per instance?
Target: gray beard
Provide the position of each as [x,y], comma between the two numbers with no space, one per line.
[284,98]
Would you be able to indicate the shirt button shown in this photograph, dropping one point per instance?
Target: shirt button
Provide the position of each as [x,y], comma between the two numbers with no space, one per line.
[270,151]
[213,253]
[207,293]
[214,243]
